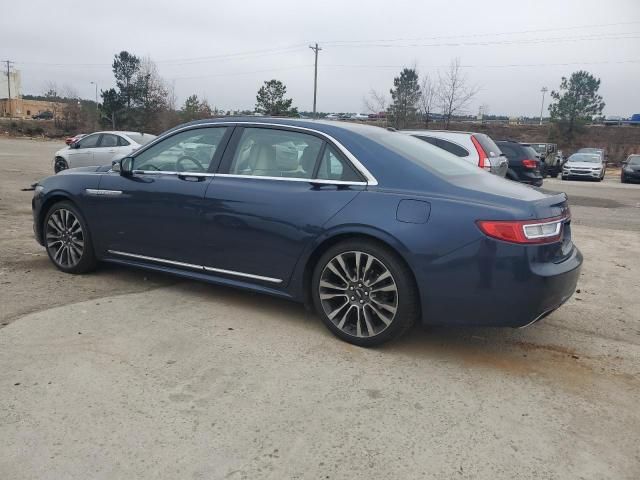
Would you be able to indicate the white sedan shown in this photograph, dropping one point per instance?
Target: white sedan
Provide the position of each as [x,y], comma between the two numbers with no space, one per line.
[99,148]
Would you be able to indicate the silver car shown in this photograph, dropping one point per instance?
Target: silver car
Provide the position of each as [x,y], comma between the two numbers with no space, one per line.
[476,148]
[590,166]
[99,148]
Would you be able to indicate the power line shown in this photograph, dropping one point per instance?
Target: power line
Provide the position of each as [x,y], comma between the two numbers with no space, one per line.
[267,70]
[505,65]
[489,34]
[375,44]
[186,61]
[537,41]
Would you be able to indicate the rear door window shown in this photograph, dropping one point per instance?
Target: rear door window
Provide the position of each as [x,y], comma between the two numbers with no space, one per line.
[109,140]
[334,167]
[451,147]
[266,152]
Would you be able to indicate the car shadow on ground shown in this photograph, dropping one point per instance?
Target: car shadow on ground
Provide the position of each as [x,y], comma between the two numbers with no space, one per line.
[505,349]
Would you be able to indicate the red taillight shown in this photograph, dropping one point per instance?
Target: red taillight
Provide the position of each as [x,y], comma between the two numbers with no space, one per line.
[483,162]
[528,163]
[547,230]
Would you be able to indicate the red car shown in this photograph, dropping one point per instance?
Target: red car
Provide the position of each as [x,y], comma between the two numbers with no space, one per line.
[70,140]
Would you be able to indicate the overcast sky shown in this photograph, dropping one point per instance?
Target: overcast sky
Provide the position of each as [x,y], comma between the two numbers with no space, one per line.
[224,50]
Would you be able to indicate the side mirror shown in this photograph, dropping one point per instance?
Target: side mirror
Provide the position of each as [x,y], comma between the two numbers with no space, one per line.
[123,166]
[75,145]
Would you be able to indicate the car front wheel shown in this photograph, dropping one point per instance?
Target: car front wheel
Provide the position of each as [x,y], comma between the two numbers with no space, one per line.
[67,239]
[60,164]
[364,293]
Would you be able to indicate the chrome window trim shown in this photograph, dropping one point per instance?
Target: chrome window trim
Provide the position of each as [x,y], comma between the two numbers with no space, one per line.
[292,179]
[196,267]
[370,179]
[170,172]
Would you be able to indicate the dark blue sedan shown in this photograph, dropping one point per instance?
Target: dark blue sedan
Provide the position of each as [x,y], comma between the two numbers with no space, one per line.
[374,228]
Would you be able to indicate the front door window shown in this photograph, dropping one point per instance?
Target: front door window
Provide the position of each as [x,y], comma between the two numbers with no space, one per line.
[188,151]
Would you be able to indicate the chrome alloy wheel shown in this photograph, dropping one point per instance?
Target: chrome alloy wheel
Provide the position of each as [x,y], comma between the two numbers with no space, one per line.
[64,238]
[358,294]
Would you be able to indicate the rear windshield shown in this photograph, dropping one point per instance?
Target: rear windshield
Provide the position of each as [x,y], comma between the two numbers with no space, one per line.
[488,145]
[424,154]
[141,138]
[531,153]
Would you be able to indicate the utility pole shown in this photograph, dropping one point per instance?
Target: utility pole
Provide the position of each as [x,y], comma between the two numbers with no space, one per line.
[9,62]
[97,111]
[315,49]
[544,90]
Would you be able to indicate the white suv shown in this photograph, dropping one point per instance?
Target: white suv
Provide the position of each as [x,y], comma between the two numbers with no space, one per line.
[99,148]
[476,148]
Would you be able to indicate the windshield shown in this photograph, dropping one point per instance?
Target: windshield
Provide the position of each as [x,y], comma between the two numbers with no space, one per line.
[424,154]
[584,157]
[590,150]
[634,160]
[141,138]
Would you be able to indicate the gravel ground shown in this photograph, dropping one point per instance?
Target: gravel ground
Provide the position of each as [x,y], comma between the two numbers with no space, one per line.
[126,374]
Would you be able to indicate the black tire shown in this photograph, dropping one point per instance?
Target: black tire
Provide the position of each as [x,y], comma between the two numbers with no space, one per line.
[404,299]
[62,240]
[623,179]
[60,164]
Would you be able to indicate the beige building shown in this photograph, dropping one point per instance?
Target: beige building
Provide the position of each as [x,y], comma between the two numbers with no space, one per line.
[14,106]
[20,108]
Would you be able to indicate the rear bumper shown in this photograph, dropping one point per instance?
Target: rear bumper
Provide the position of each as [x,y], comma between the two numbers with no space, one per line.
[492,283]
[530,177]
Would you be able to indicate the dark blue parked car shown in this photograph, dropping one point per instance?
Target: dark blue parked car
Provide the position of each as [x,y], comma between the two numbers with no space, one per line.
[374,228]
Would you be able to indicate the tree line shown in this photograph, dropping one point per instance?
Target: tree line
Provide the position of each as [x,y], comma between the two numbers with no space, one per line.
[143,101]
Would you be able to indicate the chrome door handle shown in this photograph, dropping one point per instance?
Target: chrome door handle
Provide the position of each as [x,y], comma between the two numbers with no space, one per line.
[191,177]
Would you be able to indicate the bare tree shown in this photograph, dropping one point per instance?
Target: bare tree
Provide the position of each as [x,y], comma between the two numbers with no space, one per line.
[375,102]
[152,96]
[454,92]
[427,101]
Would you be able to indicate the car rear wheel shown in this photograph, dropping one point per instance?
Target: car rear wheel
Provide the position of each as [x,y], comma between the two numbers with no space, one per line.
[60,164]
[67,239]
[364,293]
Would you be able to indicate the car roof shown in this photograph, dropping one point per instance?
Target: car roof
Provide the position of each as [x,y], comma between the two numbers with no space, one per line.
[460,132]
[120,132]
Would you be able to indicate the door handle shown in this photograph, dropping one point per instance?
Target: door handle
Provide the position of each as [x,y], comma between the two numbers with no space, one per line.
[191,177]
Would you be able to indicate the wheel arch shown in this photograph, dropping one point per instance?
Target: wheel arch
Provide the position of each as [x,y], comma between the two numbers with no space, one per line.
[51,200]
[341,235]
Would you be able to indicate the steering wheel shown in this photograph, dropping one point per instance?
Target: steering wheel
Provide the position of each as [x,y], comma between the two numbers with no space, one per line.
[180,168]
